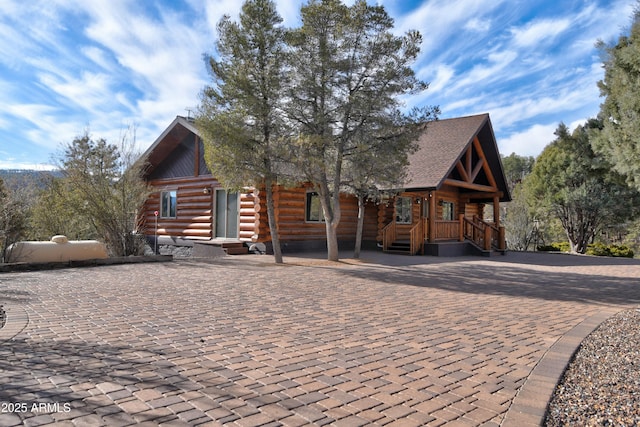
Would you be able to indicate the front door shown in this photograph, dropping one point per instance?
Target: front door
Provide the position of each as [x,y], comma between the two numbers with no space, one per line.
[227,214]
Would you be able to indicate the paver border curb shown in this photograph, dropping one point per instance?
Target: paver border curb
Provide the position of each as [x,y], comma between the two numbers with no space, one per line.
[529,407]
[23,266]
[16,321]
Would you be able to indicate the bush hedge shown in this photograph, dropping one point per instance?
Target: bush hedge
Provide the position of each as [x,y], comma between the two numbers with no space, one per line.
[555,247]
[601,249]
[598,249]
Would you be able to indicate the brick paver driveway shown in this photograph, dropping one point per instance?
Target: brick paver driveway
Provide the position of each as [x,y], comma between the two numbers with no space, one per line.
[240,341]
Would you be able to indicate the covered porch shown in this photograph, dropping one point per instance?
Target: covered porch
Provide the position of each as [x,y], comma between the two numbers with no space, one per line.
[455,183]
[425,222]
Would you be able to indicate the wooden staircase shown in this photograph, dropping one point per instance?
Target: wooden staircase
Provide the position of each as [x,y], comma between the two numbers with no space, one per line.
[485,236]
[463,237]
[400,247]
[413,245]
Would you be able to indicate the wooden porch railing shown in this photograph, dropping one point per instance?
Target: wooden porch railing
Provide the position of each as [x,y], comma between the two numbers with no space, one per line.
[446,230]
[389,234]
[482,233]
[417,238]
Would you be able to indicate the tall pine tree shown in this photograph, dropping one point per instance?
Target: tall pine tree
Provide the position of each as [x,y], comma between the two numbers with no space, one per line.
[239,116]
[619,139]
[348,73]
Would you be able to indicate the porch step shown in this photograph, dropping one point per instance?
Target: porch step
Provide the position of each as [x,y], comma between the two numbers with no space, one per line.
[475,249]
[455,248]
[237,251]
[400,247]
[230,247]
[234,248]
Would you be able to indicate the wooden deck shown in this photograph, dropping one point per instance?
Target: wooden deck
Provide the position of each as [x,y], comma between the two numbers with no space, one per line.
[461,237]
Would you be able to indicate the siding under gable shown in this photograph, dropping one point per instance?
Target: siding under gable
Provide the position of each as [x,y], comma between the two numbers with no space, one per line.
[181,162]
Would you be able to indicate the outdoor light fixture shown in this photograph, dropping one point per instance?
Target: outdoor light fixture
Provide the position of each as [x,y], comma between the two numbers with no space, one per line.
[206,190]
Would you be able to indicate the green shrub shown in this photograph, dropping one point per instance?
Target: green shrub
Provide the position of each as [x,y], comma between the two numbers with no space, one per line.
[621,251]
[555,247]
[600,249]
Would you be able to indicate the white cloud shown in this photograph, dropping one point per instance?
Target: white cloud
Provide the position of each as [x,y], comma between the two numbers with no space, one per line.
[478,25]
[473,105]
[497,67]
[46,128]
[443,76]
[28,29]
[539,31]
[77,64]
[438,20]
[98,56]
[529,142]
[11,45]
[91,91]
[290,12]
[605,23]
[166,66]
[523,109]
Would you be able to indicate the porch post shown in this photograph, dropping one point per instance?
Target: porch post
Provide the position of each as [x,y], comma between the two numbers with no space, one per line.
[496,210]
[487,238]
[432,216]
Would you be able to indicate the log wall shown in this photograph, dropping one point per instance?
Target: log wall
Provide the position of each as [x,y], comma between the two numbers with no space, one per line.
[195,214]
[290,205]
[194,208]
[247,216]
[472,209]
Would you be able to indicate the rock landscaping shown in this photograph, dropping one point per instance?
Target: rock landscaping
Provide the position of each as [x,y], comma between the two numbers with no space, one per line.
[601,386]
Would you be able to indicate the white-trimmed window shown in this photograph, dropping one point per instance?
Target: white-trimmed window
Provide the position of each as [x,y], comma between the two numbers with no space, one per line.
[403,210]
[313,208]
[168,201]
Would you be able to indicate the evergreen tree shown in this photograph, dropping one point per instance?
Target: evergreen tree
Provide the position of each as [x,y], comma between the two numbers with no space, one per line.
[13,219]
[347,73]
[240,115]
[577,186]
[619,139]
[516,168]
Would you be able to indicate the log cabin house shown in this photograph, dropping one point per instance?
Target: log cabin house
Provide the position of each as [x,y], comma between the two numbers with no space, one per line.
[456,171]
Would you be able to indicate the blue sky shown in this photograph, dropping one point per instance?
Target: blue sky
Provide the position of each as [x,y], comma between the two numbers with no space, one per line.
[105,66]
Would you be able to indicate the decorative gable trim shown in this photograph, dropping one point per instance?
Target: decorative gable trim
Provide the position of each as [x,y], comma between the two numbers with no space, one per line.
[468,167]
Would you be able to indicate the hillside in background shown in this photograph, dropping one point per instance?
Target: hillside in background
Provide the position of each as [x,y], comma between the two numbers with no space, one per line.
[19,180]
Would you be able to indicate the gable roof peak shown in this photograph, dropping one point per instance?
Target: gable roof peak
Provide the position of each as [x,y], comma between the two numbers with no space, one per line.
[443,142]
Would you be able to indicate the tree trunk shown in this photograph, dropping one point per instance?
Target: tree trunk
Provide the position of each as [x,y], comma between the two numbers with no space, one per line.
[360,226]
[273,224]
[577,242]
[332,242]
[331,211]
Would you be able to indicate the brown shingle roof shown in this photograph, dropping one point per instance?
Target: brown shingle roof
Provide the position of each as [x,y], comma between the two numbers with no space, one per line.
[441,145]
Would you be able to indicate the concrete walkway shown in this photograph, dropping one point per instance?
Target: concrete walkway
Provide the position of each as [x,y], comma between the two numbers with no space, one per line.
[390,340]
